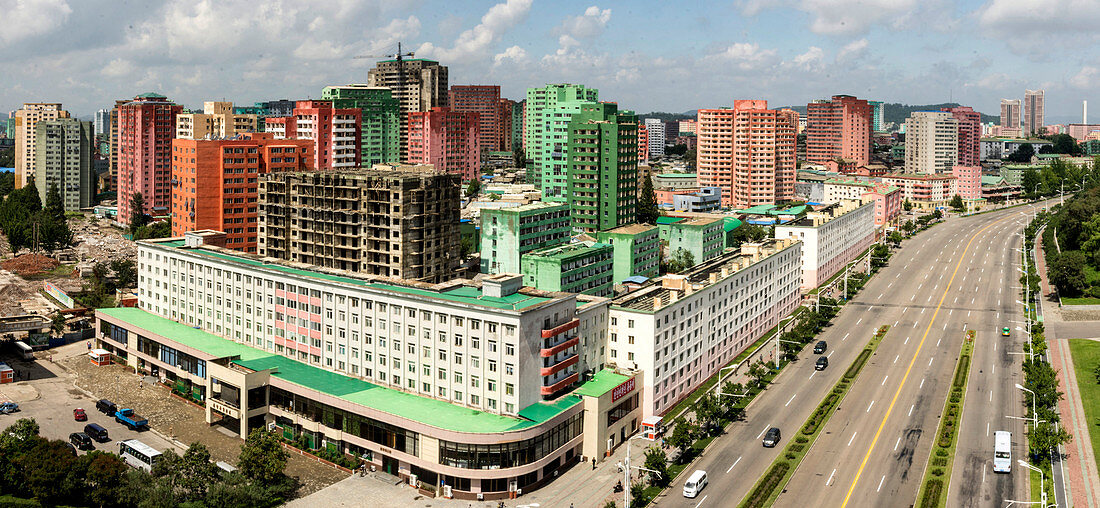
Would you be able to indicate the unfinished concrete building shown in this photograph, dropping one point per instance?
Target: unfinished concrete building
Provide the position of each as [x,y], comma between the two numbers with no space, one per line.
[389,221]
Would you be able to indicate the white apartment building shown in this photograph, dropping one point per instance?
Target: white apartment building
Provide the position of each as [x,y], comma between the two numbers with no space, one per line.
[680,329]
[924,191]
[655,129]
[831,238]
[931,142]
[837,190]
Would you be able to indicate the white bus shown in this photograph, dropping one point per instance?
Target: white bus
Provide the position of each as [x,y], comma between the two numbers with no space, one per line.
[25,351]
[1002,451]
[138,454]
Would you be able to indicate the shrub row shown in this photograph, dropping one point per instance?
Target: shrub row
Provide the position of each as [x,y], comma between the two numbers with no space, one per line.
[947,432]
[933,488]
[759,496]
[960,373]
[858,364]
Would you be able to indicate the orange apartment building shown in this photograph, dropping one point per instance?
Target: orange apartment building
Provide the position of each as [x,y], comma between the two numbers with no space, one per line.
[485,101]
[215,182]
[839,128]
[748,151]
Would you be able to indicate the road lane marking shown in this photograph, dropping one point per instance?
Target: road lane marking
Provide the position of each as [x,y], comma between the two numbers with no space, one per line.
[701,502]
[986,429]
[869,408]
[896,358]
[911,410]
[858,321]
[914,324]
[734,464]
[944,327]
[897,443]
[922,310]
[812,374]
[768,426]
[852,438]
[991,395]
[830,355]
[880,295]
[792,398]
[994,346]
[884,380]
[876,490]
[940,339]
[895,324]
[830,480]
[930,361]
[889,409]
[846,336]
[906,341]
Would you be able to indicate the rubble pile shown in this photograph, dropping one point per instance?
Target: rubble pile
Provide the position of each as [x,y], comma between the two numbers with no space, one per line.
[29,264]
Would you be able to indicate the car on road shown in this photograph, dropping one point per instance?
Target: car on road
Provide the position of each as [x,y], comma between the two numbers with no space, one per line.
[79,415]
[81,441]
[820,347]
[771,438]
[695,483]
[8,407]
[822,362]
[106,407]
[1004,331]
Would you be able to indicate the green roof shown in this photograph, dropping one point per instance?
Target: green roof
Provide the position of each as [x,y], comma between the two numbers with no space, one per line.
[436,413]
[601,383]
[731,223]
[462,294]
[151,95]
[664,220]
[794,210]
[992,180]
[758,209]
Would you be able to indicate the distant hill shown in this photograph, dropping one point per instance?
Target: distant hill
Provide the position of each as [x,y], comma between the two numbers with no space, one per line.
[666,117]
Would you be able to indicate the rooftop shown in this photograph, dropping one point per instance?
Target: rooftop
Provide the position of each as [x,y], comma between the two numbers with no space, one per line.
[677,175]
[630,229]
[433,412]
[758,209]
[568,250]
[821,217]
[533,206]
[601,383]
[664,220]
[698,222]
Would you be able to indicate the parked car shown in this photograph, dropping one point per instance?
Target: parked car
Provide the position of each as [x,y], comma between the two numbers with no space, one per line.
[820,347]
[97,432]
[81,441]
[79,415]
[771,438]
[8,407]
[106,407]
[130,419]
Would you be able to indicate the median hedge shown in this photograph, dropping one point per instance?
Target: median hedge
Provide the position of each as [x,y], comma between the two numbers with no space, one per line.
[943,452]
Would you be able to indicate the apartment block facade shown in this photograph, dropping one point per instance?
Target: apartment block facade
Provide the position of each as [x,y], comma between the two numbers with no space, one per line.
[398,222]
[336,132]
[380,132]
[679,330]
[602,167]
[637,251]
[839,129]
[547,111]
[25,119]
[1010,118]
[831,238]
[509,233]
[215,183]
[582,267]
[446,139]
[485,101]
[217,120]
[970,134]
[418,85]
[1034,105]
[748,151]
[655,141]
[931,142]
[703,237]
[146,126]
[63,157]
[924,191]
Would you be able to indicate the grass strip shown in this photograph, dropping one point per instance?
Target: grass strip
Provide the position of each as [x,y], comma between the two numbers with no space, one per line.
[937,472]
[766,489]
[1086,357]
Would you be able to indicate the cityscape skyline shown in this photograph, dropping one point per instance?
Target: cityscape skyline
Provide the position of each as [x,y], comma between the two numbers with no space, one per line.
[59,51]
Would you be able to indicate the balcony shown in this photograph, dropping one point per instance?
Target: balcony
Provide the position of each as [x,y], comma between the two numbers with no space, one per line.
[546,334]
[556,387]
[550,352]
[557,367]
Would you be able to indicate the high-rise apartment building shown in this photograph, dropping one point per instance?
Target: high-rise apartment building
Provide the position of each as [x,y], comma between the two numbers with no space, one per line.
[518,118]
[485,101]
[281,107]
[102,121]
[748,151]
[839,129]
[970,134]
[217,120]
[603,167]
[215,182]
[931,142]
[63,157]
[876,116]
[417,84]
[1010,117]
[446,139]
[687,126]
[1033,112]
[380,135]
[392,221]
[643,144]
[335,132]
[655,130]
[25,119]
[547,112]
[145,128]
[506,125]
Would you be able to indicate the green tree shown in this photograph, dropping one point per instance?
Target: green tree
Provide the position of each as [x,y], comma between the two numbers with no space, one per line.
[1041,438]
[519,159]
[637,495]
[909,227]
[234,491]
[647,211]
[880,254]
[894,238]
[47,469]
[957,203]
[262,458]
[1067,272]
[1090,245]
[472,188]
[1064,143]
[683,434]
[680,149]
[707,413]
[125,272]
[104,474]
[7,179]
[1023,153]
[138,218]
[656,460]
[1030,181]
[907,205]
[681,260]
[55,207]
[758,372]
[158,229]
[196,472]
[57,325]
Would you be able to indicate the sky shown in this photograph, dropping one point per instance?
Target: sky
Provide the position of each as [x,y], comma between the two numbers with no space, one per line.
[647,55]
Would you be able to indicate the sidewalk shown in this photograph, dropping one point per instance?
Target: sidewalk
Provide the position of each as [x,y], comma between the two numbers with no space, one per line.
[1083,480]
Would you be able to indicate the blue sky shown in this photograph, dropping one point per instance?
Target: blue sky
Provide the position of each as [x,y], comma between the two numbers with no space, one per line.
[645,55]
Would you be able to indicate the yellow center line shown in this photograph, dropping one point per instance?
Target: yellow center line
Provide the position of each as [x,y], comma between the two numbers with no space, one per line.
[890,409]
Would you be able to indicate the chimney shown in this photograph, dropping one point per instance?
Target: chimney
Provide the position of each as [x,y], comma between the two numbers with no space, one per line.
[657,302]
[713,277]
[1085,112]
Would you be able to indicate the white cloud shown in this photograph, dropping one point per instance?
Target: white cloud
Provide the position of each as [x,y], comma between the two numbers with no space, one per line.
[514,53]
[28,18]
[852,49]
[746,55]
[846,17]
[473,44]
[587,25]
[810,58]
[118,68]
[1027,26]
[1086,78]
[751,8]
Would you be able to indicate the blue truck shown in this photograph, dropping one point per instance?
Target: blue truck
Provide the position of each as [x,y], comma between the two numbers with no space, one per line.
[130,419]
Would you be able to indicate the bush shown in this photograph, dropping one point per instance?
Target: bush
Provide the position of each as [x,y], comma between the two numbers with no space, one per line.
[759,496]
[933,488]
[939,461]
[857,365]
[937,472]
[790,456]
[801,439]
[940,452]
[960,373]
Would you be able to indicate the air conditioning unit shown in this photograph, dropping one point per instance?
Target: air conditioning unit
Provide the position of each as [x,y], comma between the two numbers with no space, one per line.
[480,496]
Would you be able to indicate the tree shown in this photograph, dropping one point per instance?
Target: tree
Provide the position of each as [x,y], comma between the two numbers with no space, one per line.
[656,460]
[1090,235]
[138,218]
[1030,181]
[55,208]
[647,212]
[262,458]
[47,469]
[196,472]
[1067,272]
[681,260]
[58,324]
[909,227]
[758,372]
[707,412]
[1064,143]
[472,188]
[680,149]
[1041,438]
[690,157]
[7,180]
[683,433]
[1023,153]
[907,205]
[637,495]
[957,203]
[894,238]
[159,229]
[125,272]
[103,477]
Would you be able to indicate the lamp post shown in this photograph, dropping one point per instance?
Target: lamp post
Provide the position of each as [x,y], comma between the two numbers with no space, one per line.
[778,332]
[625,466]
[1043,492]
[1034,415]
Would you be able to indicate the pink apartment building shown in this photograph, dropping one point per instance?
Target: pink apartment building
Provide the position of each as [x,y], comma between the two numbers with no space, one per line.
[970,134]
[747,151]
[924,191]
[887,200]
[448,140]
[146,126]
[968,181]
[839,128]
[643,144]
[335,132]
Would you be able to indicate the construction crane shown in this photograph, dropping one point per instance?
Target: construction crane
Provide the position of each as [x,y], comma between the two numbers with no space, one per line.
[399,56]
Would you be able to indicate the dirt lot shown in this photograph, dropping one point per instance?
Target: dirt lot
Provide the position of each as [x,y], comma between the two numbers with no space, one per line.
[182,421]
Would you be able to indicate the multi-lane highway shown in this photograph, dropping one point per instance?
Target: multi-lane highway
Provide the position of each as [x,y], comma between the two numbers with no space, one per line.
[956,276]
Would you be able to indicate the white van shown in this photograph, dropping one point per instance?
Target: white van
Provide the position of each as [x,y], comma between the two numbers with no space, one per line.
[1002,451]
[695,483]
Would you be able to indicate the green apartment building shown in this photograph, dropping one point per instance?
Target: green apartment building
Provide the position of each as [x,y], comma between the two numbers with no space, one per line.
[548,111]
[637,250]
[704,238]
[583,267]
[603,167]
[381,127]
[509,233]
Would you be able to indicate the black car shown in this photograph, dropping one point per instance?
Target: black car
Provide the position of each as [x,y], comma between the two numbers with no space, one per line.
[106,407]
[820,347]
[81,440]
[97,432]
[771,438]
[822,362]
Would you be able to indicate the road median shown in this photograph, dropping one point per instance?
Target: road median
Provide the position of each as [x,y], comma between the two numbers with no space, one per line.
[937,470]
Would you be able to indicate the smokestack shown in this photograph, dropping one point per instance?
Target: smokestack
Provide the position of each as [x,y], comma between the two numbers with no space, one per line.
[1085,112]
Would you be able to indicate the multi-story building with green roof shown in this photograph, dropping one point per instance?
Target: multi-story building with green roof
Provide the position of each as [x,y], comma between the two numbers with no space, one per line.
[381,120]
[509,233]
[582,267]
[637,251]
[548,111]
[703,237]
[603,167]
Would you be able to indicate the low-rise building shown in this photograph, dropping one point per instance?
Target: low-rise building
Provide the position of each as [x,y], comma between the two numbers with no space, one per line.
[968,182]
[509,233]
[701,236]
[637,251]
[675,180]
[923,191]
[887,201]
[839,189]
[831,238]
[581,267]
[999,148]
[680,329]
[704,200]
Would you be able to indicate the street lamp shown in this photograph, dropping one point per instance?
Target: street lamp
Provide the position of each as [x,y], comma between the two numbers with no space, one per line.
[1043,496]
[625,466]
[1034,415]
[778,332]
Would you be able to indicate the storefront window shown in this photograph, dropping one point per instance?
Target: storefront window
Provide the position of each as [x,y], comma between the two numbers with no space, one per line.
[514,454]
